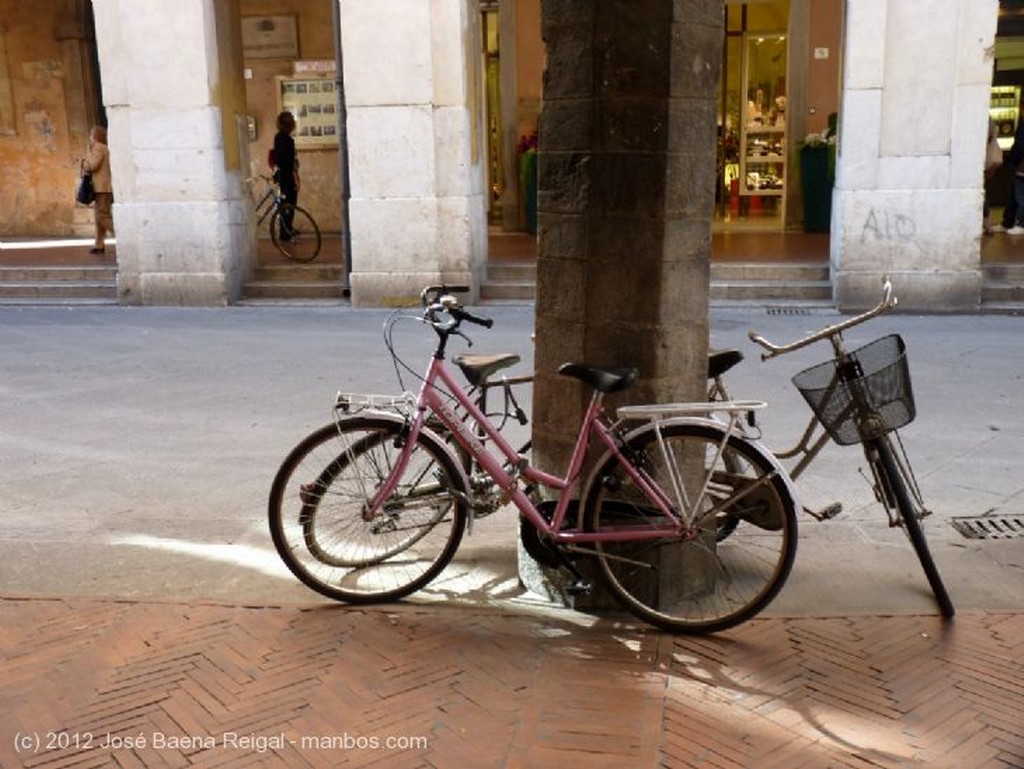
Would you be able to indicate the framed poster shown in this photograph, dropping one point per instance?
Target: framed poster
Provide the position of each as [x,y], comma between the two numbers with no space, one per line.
[270,37]
[314,103]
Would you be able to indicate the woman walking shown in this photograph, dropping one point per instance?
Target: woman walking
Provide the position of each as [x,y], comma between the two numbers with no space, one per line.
[98,161]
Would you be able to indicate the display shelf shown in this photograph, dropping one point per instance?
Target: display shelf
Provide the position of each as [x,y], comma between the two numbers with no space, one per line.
[763,160]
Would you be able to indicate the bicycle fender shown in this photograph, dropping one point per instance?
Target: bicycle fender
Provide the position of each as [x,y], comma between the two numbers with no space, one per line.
[430,435]
[720,428]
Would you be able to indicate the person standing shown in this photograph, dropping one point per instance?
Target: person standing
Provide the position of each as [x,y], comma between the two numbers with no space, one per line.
[1013,216]
[98,162]
[287,162]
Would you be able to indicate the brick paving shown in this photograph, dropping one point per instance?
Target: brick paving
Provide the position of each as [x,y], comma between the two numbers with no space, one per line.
[99,460]
[90,683]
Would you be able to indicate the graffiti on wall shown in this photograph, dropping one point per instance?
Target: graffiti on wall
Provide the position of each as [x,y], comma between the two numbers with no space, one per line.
[887,225]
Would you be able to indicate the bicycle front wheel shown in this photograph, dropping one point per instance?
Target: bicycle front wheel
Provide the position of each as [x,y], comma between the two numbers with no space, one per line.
[294,233]
[895,487]
[319,496]
[701,582]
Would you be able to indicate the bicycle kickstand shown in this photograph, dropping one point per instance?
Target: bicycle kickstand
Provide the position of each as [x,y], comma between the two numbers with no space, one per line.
[579,585]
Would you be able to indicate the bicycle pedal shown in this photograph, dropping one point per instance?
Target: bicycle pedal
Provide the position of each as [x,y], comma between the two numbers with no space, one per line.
[826,513]
[581,586]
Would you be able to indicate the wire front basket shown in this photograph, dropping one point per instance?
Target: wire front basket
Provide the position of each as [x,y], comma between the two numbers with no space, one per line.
[876,398]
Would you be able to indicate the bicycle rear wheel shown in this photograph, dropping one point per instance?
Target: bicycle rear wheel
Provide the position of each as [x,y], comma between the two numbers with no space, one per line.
[896,488]
[316,512]
[701,582]
[299,240]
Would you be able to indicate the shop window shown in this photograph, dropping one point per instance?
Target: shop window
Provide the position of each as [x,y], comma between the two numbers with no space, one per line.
[752,114]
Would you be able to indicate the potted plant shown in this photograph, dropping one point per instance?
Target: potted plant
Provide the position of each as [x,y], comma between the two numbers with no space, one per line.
[817,176]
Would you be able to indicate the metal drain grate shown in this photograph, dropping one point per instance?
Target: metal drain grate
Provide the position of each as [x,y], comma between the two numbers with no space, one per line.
[990,526]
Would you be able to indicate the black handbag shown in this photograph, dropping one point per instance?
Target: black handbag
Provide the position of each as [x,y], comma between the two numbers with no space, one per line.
[86,193]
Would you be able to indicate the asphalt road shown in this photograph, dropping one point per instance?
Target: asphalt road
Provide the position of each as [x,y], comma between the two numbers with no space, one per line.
[138,446]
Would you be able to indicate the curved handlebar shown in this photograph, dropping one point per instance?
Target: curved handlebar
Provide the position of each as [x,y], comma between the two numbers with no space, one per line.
[438,298]
[888,303]
[433,293]
[460,314]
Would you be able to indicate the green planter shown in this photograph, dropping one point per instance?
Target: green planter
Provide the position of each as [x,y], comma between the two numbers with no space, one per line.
[816,177]
[528,189]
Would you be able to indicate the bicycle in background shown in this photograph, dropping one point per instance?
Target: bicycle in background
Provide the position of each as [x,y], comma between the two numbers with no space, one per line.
[292,229]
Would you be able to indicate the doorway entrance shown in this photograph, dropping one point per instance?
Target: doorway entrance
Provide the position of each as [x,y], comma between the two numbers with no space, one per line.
[1005,101]
[752,126]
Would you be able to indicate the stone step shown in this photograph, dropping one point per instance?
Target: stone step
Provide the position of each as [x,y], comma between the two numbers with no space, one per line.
[729,282]
[1002,291]
[511,272]
[771,282]
[299,273]
[766,271]
[57,274]
[58,285]
[513,281]
[1002,308]
[508,291]
[294,282]
[768,290]
[509,281]
[57,291]
[293,289]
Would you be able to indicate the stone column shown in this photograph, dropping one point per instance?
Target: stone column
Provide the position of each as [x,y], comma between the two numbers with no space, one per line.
[416,146]
[626,198]
[627,170]
[909,187]
[175,100]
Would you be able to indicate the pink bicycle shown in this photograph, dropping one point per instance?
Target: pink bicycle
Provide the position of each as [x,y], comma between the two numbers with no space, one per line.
[691,523]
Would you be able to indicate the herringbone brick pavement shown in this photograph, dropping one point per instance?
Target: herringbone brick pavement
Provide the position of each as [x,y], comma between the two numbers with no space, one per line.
[117,684]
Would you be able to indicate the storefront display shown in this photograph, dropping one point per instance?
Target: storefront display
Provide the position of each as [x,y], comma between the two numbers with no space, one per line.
[763,161]
[1003,111]
[762,155]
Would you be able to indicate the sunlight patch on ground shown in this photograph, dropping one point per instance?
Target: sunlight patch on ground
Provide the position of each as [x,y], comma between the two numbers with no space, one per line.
[263,561]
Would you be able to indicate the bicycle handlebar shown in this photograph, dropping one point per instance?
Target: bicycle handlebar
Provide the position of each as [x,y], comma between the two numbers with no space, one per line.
[460,314]
[431,294]
[439,297]
[888,302]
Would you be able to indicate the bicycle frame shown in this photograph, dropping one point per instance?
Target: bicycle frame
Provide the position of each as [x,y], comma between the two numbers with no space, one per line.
[432,401]
[809,446]
[263,213]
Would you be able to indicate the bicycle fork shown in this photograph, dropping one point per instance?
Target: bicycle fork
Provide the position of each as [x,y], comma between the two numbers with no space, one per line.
[883,491]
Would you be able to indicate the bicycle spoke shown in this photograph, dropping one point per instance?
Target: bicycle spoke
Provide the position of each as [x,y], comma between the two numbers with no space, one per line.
[317,513]
[736,553]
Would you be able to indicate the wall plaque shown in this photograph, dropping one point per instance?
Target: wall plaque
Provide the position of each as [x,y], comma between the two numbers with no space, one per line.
[270,37]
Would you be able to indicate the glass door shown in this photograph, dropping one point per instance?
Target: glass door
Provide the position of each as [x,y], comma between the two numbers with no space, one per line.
[752,129]
[762,153]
